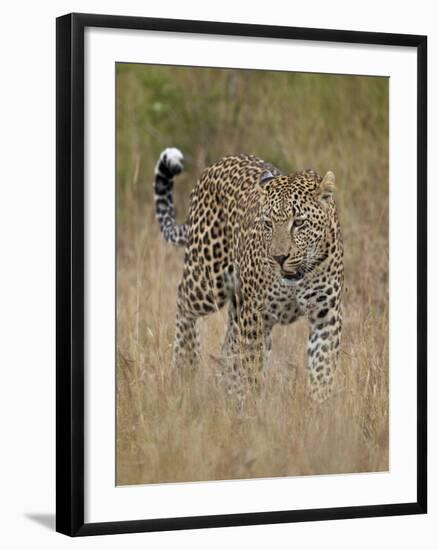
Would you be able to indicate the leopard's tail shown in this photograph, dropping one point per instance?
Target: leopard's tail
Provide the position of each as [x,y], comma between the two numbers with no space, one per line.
[168,165]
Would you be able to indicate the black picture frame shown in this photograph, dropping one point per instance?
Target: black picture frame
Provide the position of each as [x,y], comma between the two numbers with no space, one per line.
[70,273]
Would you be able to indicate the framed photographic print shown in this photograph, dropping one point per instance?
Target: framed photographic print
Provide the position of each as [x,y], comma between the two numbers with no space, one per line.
[241,274]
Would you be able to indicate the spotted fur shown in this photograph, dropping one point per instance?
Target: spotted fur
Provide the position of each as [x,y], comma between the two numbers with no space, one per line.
[269,245]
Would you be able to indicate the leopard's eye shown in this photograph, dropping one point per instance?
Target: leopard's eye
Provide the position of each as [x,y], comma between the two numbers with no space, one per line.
[268,224]
[298,222]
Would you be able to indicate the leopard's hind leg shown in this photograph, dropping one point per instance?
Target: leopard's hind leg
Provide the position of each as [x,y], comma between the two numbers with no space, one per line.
[196,298]
[186,346]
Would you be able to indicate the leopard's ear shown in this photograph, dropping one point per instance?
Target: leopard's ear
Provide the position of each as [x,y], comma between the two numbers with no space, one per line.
[326,187]
[264,178]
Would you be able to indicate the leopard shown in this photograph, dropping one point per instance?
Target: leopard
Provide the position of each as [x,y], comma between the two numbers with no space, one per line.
[266,243]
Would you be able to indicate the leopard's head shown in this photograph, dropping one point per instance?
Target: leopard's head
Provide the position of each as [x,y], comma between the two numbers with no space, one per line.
[296,213]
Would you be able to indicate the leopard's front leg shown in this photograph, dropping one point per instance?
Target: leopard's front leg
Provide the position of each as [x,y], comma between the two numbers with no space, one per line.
[323,349]
[251,340]
[238,373]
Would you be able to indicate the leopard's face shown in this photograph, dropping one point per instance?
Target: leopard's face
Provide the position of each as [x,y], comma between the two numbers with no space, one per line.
[295,216]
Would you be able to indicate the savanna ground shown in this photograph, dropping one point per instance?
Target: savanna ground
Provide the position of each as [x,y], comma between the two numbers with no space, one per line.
[169,430]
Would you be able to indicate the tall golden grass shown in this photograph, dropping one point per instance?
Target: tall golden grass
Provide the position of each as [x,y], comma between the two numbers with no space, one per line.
[173,430]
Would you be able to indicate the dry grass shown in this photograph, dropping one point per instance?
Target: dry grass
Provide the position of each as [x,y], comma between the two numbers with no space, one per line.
[172,430]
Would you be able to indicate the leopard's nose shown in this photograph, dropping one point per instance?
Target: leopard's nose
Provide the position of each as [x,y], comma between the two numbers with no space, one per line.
[281,258]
